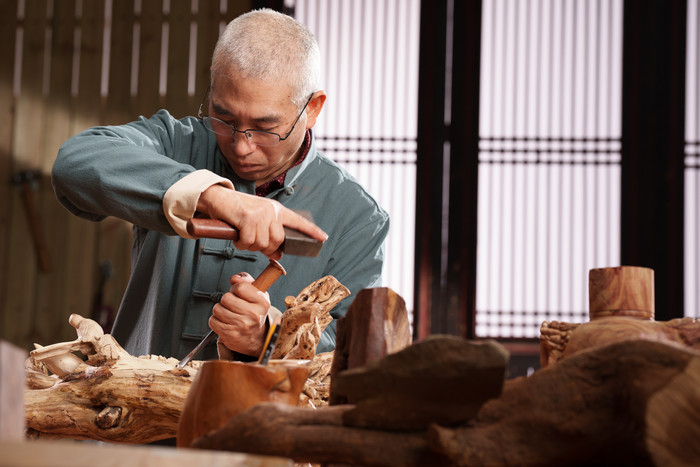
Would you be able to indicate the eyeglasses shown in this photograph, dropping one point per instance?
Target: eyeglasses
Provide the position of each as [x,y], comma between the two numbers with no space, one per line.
[257,137]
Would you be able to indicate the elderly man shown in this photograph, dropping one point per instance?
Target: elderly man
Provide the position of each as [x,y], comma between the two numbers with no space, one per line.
[249,159]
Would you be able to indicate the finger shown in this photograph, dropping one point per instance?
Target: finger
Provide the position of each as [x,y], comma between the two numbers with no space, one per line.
[247,237]
[241,277]
[277,255]
[234,311]
[276,239]
[229,332]
[246,340]
[229,310]
[247,292]
[235,319]
[293,220]
[257,222]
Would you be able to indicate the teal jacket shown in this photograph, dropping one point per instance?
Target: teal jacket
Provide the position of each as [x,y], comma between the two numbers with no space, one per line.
[124,171]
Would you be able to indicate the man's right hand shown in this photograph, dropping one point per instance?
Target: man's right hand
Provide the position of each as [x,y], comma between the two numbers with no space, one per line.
[260,221]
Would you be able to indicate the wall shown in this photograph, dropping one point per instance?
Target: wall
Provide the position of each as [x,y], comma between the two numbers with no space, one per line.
[67,65]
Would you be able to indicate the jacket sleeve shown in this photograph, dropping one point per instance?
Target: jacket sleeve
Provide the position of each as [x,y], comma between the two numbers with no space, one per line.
[124,171]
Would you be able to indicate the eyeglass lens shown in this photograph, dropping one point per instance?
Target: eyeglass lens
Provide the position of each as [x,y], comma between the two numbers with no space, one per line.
[261,138]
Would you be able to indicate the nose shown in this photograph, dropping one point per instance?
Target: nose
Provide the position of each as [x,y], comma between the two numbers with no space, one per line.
[241,144]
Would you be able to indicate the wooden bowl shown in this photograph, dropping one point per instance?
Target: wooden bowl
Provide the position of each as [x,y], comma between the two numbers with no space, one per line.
[222,389]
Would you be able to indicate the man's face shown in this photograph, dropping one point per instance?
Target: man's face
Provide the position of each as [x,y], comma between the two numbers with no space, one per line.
[252,105]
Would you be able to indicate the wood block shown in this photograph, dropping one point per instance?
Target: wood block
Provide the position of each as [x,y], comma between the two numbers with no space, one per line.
[12,378]
[375,325]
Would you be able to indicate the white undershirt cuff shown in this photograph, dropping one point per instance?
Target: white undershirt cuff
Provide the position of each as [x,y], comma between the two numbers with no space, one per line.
[180,201]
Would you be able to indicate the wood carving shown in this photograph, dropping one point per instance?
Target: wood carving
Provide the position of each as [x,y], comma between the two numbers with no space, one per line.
[635,402]
[303,322]
[110,395]
[305,318]
[222,389]
[621,308]
[561,340]
[441,379]
[316,392]
[208,409]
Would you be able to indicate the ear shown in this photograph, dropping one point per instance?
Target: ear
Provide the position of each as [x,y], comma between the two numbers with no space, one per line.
[314,108]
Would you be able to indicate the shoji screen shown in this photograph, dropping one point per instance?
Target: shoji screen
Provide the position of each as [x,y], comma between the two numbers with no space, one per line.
[370,72]
[549,160]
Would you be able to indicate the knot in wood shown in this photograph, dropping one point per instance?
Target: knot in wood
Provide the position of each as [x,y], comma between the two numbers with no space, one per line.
[108,417]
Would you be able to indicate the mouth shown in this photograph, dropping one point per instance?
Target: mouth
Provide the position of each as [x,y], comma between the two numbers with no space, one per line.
[246,170]
[242,162]
[246,167]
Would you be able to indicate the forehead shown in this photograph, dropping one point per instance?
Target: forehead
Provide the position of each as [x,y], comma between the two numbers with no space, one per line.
[250,96]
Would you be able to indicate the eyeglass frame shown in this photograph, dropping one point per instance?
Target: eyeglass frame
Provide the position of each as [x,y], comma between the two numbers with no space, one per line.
[248,132]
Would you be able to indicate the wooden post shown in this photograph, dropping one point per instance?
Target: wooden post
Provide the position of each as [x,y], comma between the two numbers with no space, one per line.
[621,291]
[12,380]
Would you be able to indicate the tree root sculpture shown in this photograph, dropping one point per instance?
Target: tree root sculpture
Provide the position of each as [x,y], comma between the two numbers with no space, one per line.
[111,395]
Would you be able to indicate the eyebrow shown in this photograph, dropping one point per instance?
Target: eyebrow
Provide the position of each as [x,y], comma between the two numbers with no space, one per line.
[269,119]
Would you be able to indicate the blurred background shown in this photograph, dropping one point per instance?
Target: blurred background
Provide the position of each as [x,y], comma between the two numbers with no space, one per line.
[516,144]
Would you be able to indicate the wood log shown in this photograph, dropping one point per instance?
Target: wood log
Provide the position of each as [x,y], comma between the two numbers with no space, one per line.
[628,403]
[442,379]
[609,406]
[112,396]
[318,436]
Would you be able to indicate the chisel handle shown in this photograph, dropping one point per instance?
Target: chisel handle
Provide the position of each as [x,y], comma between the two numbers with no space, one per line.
[269,275]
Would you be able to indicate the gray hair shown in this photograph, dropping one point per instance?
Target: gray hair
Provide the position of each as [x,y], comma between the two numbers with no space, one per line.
[272,47]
